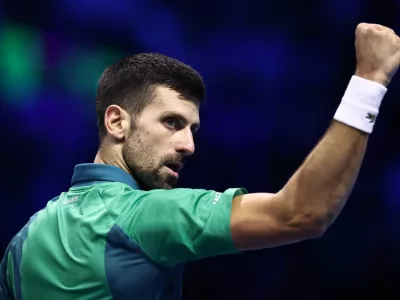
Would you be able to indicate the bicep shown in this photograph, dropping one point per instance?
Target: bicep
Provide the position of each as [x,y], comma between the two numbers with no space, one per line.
[263,220]
[179,225]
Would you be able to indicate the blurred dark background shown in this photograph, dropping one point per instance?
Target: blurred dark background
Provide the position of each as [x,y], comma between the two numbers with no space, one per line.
[275,71]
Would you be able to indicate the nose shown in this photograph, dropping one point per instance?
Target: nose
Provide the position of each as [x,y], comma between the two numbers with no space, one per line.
[185,144]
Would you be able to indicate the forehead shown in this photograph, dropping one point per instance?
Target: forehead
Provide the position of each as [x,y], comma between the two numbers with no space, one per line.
[166,100]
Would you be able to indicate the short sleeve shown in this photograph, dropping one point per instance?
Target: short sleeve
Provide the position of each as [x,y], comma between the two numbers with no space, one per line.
[179,225]
[6,273]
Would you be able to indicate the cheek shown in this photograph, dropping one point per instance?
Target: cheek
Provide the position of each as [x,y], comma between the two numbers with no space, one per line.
[158,137]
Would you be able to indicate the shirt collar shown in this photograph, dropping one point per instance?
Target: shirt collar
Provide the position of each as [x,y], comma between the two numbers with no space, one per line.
[85,174]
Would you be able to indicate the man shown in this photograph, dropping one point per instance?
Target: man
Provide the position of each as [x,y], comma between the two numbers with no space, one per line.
[123,232]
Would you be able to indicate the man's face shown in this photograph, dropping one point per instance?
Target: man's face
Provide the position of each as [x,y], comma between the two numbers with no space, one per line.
[161,139]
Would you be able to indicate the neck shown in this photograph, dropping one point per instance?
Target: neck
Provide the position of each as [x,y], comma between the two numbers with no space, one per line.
[98,159]
[103,157]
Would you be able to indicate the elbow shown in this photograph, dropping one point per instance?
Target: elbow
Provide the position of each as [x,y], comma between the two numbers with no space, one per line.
[320,224]
[312,225]
[316,232]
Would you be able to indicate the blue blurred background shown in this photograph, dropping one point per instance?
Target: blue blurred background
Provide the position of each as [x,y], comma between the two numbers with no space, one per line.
[275,72]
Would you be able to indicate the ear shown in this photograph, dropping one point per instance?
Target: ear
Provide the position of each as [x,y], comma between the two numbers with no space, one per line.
[117,122]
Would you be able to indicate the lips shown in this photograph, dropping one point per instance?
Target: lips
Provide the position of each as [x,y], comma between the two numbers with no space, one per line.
[176,167]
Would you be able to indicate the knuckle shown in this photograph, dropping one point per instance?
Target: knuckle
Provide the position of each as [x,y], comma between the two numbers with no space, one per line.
[375,29]
[362,24]
[361,27]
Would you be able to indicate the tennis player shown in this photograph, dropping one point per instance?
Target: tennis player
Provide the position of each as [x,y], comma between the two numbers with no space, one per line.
[122,231]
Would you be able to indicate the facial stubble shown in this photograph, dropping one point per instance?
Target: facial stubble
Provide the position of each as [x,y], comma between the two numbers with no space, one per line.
[149,171]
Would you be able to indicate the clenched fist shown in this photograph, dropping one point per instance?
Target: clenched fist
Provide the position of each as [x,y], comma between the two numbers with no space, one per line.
[377,52]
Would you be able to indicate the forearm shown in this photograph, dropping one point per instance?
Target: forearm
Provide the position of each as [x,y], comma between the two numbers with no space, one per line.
[319,189]
[313,197]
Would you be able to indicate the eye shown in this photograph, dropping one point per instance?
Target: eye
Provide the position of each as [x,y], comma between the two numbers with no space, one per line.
[194,133]
[171,122]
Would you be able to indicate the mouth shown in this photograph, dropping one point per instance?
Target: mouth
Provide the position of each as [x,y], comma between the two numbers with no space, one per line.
[175,168]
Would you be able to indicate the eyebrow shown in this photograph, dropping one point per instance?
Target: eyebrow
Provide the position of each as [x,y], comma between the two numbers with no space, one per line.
[195,126]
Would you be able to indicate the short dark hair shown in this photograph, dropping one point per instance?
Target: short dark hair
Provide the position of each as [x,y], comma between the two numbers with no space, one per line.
[130,83]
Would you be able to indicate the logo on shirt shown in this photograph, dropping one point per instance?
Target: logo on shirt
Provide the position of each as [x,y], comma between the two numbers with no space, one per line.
[71,200]
[216,198]
[371,117]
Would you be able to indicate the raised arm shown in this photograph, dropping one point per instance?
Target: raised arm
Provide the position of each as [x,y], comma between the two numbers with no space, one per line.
[314,196]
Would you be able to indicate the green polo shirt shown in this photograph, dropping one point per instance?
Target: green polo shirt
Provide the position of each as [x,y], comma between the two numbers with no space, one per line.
[105,238]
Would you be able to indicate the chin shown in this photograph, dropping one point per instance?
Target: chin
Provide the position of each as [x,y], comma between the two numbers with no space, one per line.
[163,182]
[169,184]
[162,185]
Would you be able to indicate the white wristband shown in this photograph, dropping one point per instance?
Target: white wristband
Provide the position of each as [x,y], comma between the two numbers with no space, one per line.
[360,104]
